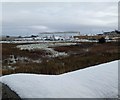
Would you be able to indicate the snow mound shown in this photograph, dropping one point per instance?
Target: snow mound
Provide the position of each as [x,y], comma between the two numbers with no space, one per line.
[99,81]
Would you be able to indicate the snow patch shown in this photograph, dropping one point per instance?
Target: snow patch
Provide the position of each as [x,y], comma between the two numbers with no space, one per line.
[46,46]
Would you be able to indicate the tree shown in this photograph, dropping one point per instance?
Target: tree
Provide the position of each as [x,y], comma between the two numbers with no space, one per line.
[7,36]
[102,40]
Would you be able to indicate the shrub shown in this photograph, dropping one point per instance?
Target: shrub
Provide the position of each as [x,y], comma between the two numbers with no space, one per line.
[102,40]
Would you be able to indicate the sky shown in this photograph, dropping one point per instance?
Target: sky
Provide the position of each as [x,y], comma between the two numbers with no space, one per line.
[27,18]
[59,0]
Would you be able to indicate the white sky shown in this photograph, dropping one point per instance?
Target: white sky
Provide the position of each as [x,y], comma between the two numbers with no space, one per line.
[59,0]
[31,18]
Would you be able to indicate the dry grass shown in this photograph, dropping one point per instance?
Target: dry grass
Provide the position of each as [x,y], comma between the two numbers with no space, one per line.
[80,56]
[10,49]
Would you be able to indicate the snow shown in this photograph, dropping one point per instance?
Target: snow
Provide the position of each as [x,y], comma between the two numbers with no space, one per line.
[46,46]
[20,41]
[42,45]
[100,81]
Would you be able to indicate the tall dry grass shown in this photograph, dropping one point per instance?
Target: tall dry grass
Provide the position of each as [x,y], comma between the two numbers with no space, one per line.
[80,56]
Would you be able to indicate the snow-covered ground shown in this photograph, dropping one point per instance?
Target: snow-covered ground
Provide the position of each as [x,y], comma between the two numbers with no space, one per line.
[99,81]
[42,45]
[46,46]
[34,41]
[19,41]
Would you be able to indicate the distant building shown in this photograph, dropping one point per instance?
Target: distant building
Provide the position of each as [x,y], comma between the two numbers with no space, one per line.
[113,34]
[58,36]
[95,37]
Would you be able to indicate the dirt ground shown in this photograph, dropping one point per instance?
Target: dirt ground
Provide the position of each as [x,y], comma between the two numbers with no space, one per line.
[8,94]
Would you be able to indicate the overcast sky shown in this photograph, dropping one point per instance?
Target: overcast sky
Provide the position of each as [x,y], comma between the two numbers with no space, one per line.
[32,18]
